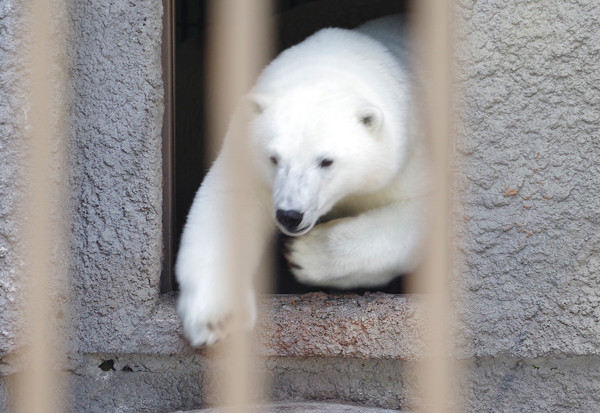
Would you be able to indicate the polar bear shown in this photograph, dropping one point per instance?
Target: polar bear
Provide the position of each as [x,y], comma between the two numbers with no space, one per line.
[340,168]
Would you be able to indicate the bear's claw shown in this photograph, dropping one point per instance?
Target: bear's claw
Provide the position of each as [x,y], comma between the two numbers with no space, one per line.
[207,320]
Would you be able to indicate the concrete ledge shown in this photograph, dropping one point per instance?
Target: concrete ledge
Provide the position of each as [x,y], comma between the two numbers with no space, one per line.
[302,407]
[165,383]
[371,326]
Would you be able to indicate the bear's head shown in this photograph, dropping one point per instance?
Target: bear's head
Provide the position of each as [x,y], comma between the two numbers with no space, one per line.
[318,144]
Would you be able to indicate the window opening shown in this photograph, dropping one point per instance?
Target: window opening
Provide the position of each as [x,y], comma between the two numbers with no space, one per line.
[189,158]
[167,278]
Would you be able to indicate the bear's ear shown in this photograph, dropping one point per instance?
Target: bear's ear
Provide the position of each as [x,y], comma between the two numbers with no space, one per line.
[371,117]
[256,103]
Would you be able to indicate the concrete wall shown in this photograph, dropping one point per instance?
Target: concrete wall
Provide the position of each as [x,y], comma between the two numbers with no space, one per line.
[116,176]
[12,115]
[11,128]
[529,147]
[529,247]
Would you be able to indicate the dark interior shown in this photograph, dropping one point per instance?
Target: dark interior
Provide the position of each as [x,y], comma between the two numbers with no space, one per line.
[295,20]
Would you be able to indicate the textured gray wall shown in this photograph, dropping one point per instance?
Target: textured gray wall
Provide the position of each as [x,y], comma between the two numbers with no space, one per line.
[115,117]
[529,147]
[116,176]
[12,115]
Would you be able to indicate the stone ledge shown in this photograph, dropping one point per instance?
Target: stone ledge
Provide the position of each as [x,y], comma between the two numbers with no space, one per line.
[369,326]
[303,407]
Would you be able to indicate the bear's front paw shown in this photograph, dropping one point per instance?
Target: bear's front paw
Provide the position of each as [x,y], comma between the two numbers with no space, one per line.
[311,258]
[207,317]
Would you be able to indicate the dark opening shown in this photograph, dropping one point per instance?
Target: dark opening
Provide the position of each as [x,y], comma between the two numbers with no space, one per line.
[296,19]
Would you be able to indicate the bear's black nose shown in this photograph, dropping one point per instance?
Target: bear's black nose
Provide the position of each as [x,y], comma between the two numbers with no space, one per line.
[289,218]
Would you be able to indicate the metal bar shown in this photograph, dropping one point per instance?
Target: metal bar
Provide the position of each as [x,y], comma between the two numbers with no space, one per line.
[39,384]
[239,36]
[433,22]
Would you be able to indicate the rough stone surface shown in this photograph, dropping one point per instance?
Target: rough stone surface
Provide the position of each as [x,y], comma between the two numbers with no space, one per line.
[507,385]
[138,383]
[12,116]
[529,148]
[133,383]
[373,326]
[4,402]
[382,383]
[116,176]
[378,326]
[304,407]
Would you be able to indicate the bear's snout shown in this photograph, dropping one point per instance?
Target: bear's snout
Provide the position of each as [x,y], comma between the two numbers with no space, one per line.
[289,218]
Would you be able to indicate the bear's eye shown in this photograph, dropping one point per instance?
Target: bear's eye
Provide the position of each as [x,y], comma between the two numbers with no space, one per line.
[326,163]
[274,160]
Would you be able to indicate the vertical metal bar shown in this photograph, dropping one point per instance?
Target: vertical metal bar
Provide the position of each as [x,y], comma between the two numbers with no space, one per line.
[238,47]
[38,387]
[168,145]
[434,41]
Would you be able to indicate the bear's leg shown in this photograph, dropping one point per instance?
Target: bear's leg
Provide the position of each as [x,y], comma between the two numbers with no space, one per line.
[367,250]
[205,257]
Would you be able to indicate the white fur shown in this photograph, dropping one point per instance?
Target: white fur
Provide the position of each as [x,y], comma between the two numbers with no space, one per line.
[342,96]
